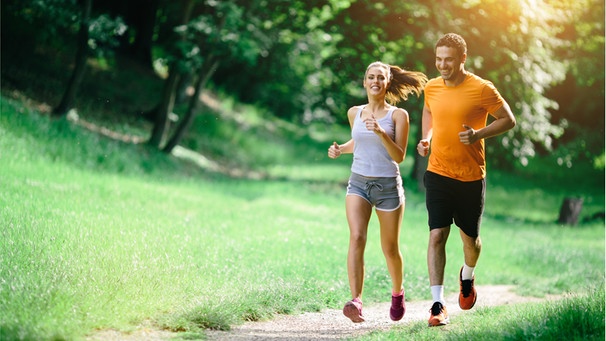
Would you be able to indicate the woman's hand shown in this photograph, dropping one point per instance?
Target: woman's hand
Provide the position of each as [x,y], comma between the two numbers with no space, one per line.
[373,125]
[334,151]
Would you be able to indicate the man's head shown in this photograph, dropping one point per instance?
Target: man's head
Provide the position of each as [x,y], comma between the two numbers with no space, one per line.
[451,53]
[455,41]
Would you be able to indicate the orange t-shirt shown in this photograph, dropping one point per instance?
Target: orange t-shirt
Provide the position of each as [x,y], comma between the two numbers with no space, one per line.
[468,103]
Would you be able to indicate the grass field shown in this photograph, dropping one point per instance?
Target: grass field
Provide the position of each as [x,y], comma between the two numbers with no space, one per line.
[102,234]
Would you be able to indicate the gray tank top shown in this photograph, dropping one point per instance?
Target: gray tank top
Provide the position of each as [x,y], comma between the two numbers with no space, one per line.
[370,158]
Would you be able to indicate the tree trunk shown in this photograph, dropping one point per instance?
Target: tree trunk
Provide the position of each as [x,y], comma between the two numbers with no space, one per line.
[570,211]
[165,107]
[206,71]
[80,63]
[143,13]
[186,122]
[163,110]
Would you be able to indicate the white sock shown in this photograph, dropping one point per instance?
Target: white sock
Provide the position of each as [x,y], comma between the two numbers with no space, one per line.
[437,293]
[467,272]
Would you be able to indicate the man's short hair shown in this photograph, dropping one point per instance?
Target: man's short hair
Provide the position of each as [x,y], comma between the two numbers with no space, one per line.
[455,41]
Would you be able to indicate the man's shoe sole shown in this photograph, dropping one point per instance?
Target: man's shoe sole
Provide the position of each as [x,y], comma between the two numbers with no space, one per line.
[443,323]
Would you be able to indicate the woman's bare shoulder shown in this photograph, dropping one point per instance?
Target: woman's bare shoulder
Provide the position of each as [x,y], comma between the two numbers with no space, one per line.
[351,113]
[399,113]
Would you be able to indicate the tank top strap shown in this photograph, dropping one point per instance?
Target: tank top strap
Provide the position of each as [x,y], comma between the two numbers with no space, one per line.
[359,114]
[390,112]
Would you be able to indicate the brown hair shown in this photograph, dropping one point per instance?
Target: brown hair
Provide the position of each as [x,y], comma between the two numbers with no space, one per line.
[401,82]
[455,41]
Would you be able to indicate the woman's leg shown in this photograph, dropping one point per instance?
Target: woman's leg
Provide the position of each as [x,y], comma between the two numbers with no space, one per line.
[391,222]
[358,215]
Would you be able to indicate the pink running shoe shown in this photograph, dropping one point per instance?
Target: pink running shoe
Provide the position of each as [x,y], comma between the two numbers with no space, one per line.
[398,307]
[353,310]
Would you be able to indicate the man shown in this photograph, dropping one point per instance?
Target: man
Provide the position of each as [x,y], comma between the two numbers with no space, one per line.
[457,105]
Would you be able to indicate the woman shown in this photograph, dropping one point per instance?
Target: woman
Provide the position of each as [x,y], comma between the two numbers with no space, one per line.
[379,133]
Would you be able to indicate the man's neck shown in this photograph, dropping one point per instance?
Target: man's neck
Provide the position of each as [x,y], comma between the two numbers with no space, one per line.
[456,80]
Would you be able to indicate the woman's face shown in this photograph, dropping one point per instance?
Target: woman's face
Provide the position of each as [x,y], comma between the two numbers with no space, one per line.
[376,80]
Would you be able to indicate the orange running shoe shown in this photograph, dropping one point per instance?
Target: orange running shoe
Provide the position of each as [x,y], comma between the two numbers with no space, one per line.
[353,310]
[468,295]
[438,315]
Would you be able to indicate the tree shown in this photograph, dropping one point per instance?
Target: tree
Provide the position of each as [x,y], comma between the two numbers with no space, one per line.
[220,31]
[236,34]
[160,114]
[80,62]
[581,96]
[140,16]
[50,21]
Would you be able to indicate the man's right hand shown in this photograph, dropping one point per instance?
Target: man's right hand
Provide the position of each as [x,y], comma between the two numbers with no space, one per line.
[423,147]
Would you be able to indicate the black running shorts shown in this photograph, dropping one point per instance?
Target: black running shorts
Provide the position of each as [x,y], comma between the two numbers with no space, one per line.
[451,200]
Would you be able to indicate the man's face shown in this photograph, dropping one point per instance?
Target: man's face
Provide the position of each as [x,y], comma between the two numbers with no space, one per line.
[448,62]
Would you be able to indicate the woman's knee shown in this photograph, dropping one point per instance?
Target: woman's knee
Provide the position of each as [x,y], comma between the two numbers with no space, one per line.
[391,250]
[357,238]
[393,254]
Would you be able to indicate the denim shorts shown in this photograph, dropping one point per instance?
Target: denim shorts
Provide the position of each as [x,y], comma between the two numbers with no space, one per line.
[386,194]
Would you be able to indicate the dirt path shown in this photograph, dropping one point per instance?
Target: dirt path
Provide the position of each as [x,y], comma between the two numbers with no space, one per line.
[329,324]
[332,325]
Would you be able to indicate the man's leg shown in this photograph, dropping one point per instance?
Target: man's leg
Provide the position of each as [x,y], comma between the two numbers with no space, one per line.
[472,246]
[436,255]
[436,261]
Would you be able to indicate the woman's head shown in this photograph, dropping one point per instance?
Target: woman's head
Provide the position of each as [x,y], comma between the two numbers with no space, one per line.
[398,82]
[380,65]
[377,79]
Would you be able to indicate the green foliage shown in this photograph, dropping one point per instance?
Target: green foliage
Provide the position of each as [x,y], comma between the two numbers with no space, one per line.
[223,31]
[303,60]
[49,22]
[46,20]
[288,77]
[104,30]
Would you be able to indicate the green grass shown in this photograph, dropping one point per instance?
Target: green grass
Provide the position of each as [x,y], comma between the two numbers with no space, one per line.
[101,234]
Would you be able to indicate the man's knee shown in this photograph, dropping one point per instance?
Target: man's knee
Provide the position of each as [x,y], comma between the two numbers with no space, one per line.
[439,236]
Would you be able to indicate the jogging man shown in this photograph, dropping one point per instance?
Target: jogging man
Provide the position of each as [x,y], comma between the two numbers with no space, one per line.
[457,105]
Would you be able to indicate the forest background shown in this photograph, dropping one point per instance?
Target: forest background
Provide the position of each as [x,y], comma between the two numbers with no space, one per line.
[303,61]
